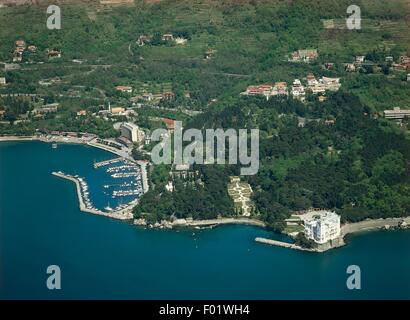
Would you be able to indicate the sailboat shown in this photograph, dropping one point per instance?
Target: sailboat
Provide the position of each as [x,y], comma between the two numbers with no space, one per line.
[108,208]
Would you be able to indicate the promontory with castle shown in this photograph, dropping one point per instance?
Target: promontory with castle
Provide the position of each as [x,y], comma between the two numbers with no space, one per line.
[331,107]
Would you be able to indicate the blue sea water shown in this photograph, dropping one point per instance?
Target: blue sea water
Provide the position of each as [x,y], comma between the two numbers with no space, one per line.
[41,225]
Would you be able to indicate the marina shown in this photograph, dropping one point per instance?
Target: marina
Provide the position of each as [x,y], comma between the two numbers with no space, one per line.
[121,168]
[127,185]
[122,155]
[124,213]
[125,174]
[126,169]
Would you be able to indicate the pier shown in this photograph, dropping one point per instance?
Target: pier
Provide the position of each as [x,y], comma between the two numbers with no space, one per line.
[123,214]
[283,244]
[126,156]
[107,162]
[144,175]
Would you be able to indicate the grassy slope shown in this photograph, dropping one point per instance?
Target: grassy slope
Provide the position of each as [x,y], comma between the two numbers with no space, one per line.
[251,39]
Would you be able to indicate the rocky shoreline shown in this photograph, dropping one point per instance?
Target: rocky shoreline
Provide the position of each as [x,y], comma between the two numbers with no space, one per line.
[178,223]
[376,224]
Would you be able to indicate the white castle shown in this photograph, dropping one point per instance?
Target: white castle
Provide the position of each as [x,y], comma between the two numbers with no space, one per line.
[323,226]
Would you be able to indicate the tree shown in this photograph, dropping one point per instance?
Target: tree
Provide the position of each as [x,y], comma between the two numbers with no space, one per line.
[137,154]
[389,168]
[304,242]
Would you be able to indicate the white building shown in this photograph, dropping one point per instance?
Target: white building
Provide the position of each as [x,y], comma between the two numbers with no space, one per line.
[181,40]
[323,226]
[132,132]
[126,89]
[2,81]
[311,80]
[397,113]
[324,83]
[360,59]
[298,90]
[332,84]
[169,186]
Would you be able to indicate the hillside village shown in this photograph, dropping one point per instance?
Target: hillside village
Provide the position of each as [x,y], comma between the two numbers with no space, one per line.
[297,89]
[139,97]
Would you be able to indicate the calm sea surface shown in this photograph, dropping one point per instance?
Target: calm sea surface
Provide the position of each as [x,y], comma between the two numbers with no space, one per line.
[41,225]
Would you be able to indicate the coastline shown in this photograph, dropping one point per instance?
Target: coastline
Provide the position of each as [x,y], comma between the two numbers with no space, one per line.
[69,140]
[189,223]
[126,213]
[374,224]
[74,140]
[123,214]
[18,138]
[346,229]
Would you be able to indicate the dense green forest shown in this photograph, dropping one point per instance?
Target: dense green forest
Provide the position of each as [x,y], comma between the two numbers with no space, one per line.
[206,200]
[358,165]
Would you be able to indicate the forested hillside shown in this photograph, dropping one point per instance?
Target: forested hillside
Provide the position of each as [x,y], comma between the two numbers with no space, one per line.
[357,164]
[251,39]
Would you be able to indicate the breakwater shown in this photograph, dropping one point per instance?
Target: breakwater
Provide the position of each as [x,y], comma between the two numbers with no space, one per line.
[319,248]
[107,162]
[123,214]
[283,244]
